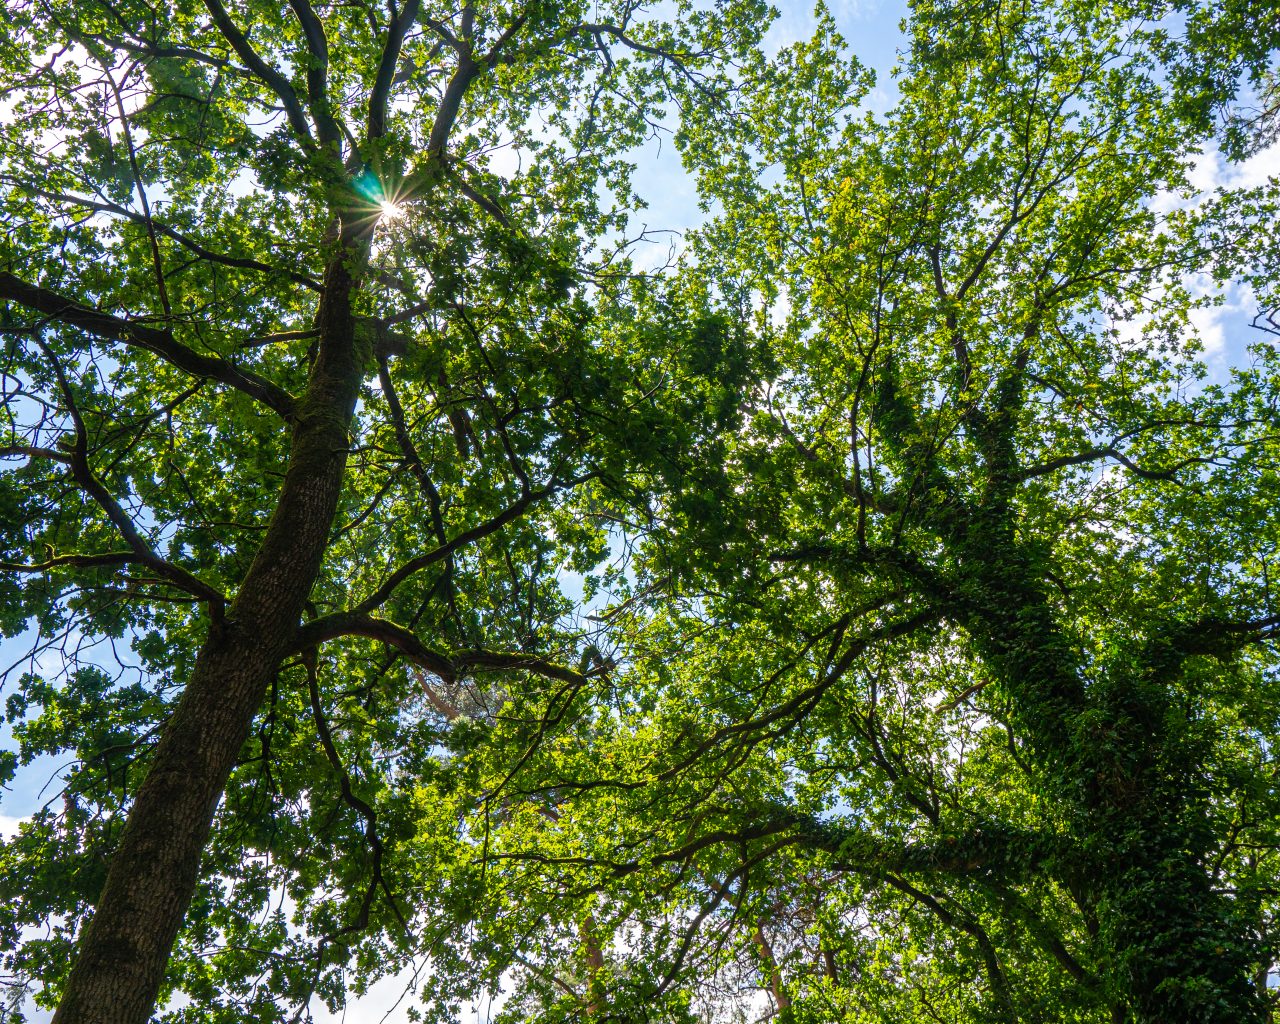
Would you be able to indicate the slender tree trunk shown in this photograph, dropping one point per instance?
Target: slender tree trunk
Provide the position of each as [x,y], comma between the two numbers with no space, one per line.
[593,954]
[125,947]
[773,973]
[830,967]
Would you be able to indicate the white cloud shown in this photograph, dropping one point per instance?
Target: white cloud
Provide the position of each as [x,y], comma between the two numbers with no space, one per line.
[1208,325]
[1257,170]
[1212,171]
[857,10]
[9,825]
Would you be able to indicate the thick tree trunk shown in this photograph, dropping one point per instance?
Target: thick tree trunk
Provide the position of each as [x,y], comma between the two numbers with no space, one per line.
[126,945]
[1171,947]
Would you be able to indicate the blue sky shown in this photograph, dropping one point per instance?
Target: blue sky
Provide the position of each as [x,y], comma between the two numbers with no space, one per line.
[871,27]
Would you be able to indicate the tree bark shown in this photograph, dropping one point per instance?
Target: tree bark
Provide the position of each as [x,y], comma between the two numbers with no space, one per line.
[125,947]
[593,954]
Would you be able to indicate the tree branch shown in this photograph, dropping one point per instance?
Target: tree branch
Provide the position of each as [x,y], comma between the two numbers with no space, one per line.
[186,241]
[317,73]
[339,624]
[466,72]
[159,342]
[403,640]
[268,75]
[83,474]
[1097,454]
[360,806]
[75,561]
[380,94]
[992,851]
[414,565]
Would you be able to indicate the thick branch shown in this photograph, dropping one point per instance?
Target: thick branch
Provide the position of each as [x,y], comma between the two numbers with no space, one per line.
[73,561]
[402,639]
[155,340]
[1098,454]
[378,97]
[268,75]
[466,72]
[317,73]
[1222,639]
[330,627]
[12,450]
[500,661]
[981,852]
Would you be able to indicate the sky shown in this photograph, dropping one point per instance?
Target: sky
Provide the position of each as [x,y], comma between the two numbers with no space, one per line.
[871,27]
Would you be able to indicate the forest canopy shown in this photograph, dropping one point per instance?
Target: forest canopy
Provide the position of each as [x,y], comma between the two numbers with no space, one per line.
[864,615]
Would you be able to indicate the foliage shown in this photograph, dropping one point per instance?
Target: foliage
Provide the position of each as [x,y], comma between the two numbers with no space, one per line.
[929,672]
[962,708]
[189,192]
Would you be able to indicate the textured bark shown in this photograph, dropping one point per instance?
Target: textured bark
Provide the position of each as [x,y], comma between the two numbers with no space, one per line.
[594,957]
[126,945]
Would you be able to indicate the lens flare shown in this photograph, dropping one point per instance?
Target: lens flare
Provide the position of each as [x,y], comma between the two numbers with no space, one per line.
[390,210]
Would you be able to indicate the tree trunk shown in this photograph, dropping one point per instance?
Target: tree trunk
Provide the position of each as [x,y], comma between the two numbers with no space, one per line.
[594,957]
[773,974]
[125,947]
[1173,948]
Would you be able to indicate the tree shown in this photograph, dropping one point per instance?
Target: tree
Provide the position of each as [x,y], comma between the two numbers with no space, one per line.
[936,679]
[958,701]
[302,387]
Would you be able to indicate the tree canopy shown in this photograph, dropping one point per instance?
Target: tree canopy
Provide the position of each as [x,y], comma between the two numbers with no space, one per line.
[866,616]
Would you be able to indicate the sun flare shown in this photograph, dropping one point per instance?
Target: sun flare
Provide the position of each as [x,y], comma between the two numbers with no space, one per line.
[390,210]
